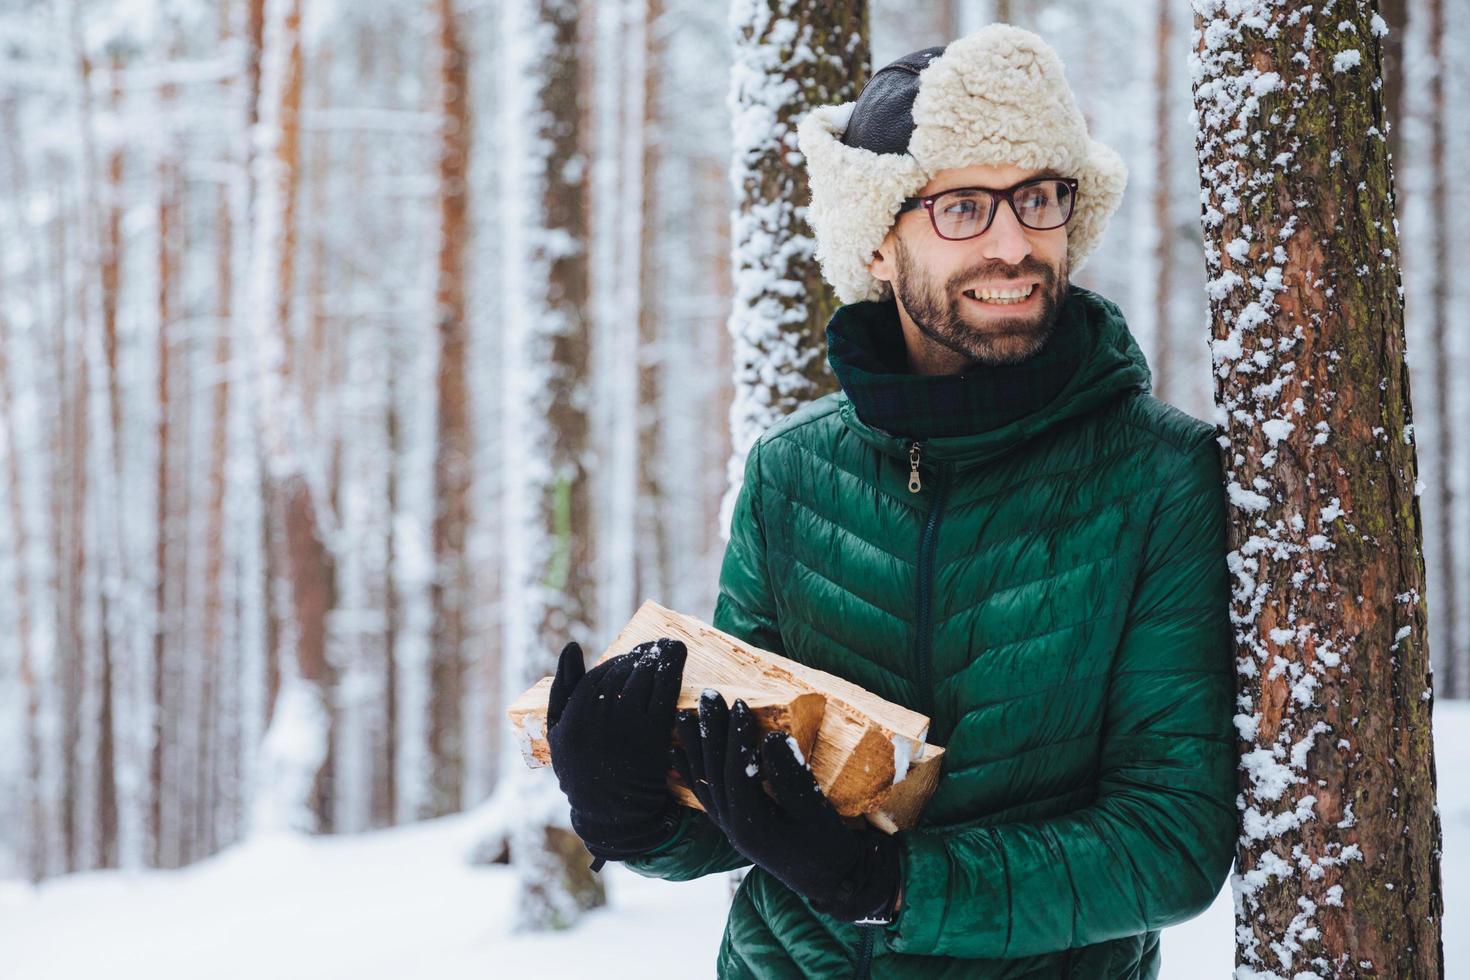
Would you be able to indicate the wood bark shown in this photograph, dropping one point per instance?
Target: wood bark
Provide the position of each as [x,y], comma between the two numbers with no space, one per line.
[226,725]
[32,810]
[817,54]
[550,489]
[298,536]
[868,755]
[652,571]
[453,470]
[1447,429]
[1338,857]
[1396,17]
[164,737]
[1163,94]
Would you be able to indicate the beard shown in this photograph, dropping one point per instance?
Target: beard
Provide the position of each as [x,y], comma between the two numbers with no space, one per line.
[940,313]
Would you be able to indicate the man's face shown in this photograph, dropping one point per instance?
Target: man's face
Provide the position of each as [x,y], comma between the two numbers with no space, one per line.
[947,289]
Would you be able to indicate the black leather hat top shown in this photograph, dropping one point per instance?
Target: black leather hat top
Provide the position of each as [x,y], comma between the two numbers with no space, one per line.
[883,118]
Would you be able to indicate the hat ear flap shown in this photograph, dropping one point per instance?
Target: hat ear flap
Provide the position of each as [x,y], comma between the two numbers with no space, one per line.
[1100,183]
[855,196]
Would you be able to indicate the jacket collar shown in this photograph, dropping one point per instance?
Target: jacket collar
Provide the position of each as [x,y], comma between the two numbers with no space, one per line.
[1108,362]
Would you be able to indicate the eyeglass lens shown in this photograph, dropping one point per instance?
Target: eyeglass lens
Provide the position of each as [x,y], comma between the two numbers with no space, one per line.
[967,212]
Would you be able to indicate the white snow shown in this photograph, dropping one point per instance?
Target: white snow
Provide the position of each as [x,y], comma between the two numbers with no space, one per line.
[1344,60]
[1246,500]
[1276,429]
[402,903]
[903,756]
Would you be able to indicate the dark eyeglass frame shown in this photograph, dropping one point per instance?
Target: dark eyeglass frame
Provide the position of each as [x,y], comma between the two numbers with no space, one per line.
[996,197]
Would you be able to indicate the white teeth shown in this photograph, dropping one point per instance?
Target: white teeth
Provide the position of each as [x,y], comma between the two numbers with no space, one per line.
[1000,295]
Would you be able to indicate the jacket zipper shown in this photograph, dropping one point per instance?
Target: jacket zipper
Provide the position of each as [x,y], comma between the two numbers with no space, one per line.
[926,576]
[867,937]
[869,934]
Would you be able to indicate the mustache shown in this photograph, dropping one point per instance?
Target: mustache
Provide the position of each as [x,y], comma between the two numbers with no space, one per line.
[1029,266]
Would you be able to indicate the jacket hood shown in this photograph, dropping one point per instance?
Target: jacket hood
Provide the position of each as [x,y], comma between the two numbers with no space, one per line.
[1112,365]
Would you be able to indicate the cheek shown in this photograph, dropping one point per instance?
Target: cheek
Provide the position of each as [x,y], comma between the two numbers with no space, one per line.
[1055,249]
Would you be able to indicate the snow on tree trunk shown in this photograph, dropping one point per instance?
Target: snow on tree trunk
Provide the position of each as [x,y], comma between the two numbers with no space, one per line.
[31,810]
[1162,361]
[613,301]
[1338,855]
[1444,594]
[547,578]
[642,134]
[452,461]
[789,58]
[296,749]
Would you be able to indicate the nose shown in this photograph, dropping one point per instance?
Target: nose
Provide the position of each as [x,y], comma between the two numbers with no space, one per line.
[1006,239]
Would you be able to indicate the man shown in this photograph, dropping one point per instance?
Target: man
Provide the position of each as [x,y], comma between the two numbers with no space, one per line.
[994,523]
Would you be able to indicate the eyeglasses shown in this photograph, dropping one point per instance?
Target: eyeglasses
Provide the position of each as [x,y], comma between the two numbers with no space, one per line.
[1040,204]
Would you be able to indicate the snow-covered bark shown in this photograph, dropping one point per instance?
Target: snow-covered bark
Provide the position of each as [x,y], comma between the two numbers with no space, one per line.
[1431,148]
[613,302]
[547,577]
[485,700]
[689,204]
[295,750]
[1337,864]
[453,463]
[789,57]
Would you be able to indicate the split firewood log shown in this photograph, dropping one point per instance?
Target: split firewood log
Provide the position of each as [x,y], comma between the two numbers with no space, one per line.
[868,755]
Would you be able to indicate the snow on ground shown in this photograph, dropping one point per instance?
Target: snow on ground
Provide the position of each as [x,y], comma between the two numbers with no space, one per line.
[402,904]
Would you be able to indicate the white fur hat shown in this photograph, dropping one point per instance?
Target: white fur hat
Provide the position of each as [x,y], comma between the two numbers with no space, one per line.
[997,96]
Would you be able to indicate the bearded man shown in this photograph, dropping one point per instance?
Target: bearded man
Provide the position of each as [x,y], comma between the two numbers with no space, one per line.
[993,522]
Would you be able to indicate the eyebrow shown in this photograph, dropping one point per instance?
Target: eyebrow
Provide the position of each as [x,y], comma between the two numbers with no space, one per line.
[1045,172]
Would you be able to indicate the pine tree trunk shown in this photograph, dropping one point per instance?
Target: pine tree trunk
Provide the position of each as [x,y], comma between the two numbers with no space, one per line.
[452,461]
[1163,358]
[818,53]
[645,132]
[31,808]
[302,778]
[1396,16]
[548,578]
[1338,857]
[1446,594]
[225,723]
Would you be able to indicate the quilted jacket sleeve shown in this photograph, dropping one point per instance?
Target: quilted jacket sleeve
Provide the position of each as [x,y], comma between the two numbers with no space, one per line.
[1156,844]
[745,609]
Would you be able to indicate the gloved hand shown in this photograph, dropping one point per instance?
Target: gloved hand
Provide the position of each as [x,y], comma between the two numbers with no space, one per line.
[798,837]
[610,733]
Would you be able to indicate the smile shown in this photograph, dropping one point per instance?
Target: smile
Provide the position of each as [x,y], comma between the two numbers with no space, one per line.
[1001,297]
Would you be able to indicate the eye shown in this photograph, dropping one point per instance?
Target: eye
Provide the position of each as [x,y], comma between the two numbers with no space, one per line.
[965,205]
[1034,197]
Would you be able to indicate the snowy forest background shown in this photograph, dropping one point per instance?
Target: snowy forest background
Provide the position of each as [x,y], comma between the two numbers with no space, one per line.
[283,385]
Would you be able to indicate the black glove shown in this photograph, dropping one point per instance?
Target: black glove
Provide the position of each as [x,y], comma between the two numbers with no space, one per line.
[799,837]
[610,733]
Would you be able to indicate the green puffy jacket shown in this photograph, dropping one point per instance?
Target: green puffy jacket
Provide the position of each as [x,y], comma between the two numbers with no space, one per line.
[1055,597]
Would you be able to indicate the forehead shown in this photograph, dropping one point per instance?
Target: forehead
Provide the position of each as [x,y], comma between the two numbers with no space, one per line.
[983,175]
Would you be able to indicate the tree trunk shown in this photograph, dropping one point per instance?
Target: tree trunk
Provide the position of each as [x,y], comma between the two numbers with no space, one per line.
[1163,93]
[1396,17]
[32,809]
[1445,597]
[452,454]
[548,578]
[644,132]
[164,707]
[300,771]
[1338,857]
[819,52]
